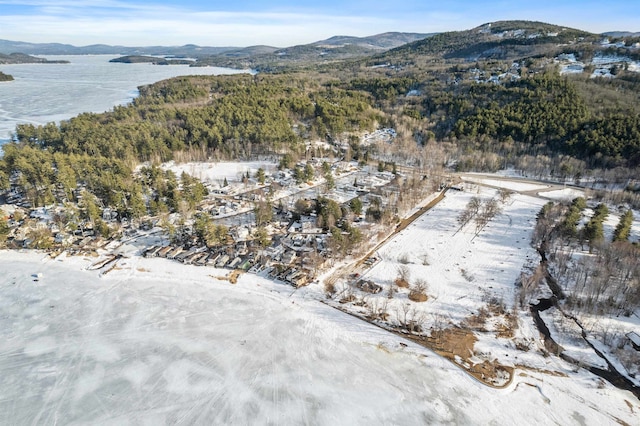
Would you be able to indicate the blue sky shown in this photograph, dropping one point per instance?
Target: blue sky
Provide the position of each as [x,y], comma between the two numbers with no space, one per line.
[282,22]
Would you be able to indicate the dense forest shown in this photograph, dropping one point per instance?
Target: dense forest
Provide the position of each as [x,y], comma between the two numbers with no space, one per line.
[225,117]
[546,112]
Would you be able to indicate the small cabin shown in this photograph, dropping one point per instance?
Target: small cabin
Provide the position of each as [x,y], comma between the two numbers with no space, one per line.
[222,261]
[235,262]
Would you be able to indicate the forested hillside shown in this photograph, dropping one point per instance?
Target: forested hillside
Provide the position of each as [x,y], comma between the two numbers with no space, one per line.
[498,40]
[21,58]
[547,112]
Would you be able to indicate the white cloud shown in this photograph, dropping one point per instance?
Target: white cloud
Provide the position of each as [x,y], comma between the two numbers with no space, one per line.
[153,26]
[79,4]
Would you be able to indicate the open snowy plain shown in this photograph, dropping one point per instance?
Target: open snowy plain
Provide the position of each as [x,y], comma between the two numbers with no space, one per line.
[157,342]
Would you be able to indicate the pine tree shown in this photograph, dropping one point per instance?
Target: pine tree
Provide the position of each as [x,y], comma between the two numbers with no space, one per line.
[4,229]
[260,176]
[623,230]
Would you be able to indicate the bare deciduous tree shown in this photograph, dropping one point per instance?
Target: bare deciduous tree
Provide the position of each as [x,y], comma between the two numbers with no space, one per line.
[470,211]
[490,209]
[418,292]
[504,194]
[404,274]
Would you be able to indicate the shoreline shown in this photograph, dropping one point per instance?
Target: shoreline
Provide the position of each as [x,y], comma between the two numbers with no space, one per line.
[82,344]
[94,87]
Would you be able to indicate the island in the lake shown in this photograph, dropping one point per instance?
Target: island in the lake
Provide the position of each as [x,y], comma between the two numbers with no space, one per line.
[5,77]
[21,58]
[140,59]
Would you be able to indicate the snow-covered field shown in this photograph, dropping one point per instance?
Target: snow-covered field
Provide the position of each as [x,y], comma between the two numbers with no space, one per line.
[157,342]
[464,273]
[460,269]
[217,172]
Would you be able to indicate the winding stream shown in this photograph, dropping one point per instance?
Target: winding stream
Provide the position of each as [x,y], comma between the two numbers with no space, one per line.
[612,375]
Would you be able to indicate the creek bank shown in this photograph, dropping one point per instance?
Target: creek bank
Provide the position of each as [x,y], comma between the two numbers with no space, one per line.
[611,374]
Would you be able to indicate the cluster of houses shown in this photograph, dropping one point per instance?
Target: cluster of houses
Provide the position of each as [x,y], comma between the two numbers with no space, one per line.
[292,259]
[497,76]
[24,223]
[299,246]
[298,249]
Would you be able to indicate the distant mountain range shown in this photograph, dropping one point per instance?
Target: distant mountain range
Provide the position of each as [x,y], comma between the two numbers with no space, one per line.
[331,49]
[621,34]
[334,47]
[502,40]
[8,46]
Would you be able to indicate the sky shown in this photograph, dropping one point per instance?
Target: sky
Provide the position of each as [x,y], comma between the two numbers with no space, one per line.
[283,23]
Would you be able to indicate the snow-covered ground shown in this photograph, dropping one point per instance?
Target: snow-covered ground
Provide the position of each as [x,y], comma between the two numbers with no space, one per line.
[461,269]
[569,64]
[602,62]
[464,273]
[635,228]
[216,173]
[512,184]
[570,340]
[566,194]
[157,342]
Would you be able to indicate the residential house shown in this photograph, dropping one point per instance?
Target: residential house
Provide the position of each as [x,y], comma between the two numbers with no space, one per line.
[288,257]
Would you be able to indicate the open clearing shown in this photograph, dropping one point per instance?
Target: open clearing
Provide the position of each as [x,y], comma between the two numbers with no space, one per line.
[471,283]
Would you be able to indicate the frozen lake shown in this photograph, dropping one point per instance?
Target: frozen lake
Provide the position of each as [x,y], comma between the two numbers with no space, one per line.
[157,342]
[42,93]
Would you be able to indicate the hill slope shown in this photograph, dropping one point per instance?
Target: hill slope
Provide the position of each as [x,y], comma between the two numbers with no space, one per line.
[502,40]
[21,58]
[332,49]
